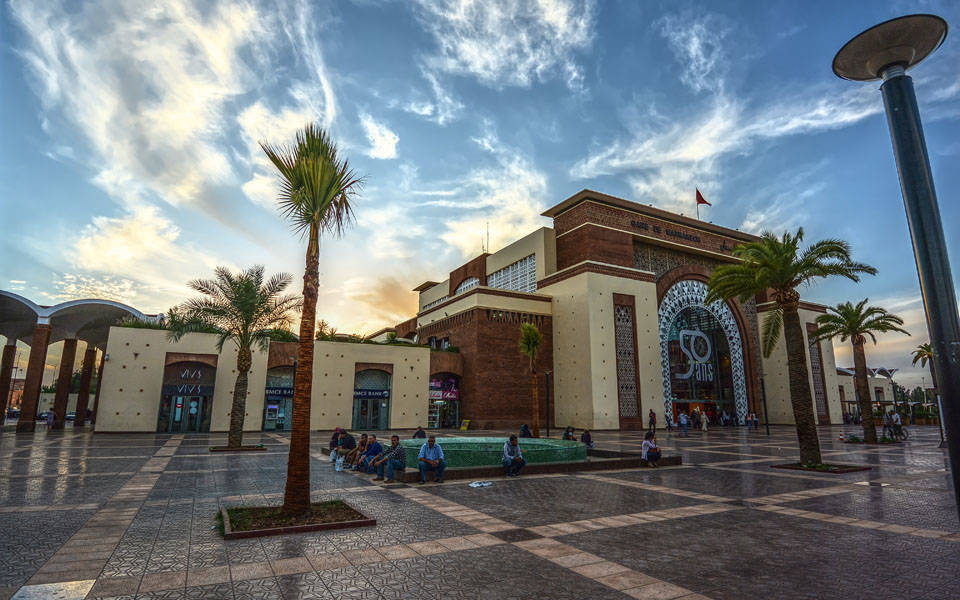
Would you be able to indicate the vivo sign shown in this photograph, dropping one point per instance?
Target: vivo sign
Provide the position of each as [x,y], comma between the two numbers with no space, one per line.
[700,367]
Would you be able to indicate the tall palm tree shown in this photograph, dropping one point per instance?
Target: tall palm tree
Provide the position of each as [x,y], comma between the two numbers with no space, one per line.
[780,266]
[530,342]
[316,189]
[856,322]
[239,307]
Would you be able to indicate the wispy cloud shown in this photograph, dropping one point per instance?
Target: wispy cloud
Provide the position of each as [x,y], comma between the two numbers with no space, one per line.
[138,256]
[383,142]
[507,196]
[698,42]
[508,42]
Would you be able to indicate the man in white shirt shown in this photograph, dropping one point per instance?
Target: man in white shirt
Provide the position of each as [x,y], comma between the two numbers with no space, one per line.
[897,424]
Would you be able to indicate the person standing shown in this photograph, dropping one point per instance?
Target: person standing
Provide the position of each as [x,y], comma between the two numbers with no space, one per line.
[888,424]
[703,422]
[652,421]
[393,459]
[684,425]
[431,459]
[512,459]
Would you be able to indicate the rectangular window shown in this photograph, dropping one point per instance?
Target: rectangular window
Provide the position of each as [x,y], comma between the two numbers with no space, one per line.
[520,276]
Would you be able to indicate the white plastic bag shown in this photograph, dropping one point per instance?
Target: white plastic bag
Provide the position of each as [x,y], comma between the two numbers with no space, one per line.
[480,484]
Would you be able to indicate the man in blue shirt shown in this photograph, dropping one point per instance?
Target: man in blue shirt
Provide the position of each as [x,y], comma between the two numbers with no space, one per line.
[373,451]
[431,459]
[512,457]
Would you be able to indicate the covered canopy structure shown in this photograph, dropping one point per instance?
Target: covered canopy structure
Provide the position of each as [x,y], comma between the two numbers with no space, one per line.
[39,326]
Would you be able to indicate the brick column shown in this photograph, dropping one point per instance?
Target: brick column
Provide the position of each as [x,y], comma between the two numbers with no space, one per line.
[86,374]
[67,359]
[31,387]
[6,365]
[96,395]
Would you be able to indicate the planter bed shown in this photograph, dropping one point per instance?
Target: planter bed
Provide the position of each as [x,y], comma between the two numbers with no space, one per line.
[256,448]
[825,468]
[259,521]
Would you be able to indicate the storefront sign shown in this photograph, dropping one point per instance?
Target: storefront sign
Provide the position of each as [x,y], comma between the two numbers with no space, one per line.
[284,392]
[698,357]
[360,394]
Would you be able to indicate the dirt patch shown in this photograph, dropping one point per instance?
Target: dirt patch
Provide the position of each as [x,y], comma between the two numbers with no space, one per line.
[256,448]
[822,468]
[254,521]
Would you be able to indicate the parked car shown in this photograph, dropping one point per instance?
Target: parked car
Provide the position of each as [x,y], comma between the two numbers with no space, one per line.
[13,413]
[72,415]
[42,416]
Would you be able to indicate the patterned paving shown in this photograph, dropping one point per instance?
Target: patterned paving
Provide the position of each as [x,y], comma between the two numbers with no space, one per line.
[131,516]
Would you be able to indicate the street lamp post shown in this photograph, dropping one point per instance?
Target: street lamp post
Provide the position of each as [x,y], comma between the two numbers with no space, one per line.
[548,402]
[886,51]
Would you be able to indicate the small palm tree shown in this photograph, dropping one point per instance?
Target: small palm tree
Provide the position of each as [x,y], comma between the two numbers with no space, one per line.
[779,265]
[239,307]
[316,190]
[530,342]
[923,354]
[856,322]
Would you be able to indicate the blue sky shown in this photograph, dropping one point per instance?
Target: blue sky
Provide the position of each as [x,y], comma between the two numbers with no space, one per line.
[129,161]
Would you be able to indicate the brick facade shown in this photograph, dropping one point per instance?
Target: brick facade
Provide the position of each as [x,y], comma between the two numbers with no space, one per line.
[475,268]
[495,390]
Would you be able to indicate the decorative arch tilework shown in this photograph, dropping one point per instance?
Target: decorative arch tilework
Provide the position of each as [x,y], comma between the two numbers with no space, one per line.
[689,293]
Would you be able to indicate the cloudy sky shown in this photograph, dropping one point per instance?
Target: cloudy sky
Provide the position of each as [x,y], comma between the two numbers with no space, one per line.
[129,161]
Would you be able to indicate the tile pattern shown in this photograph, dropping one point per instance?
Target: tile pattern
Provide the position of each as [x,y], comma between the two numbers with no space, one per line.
[724,525]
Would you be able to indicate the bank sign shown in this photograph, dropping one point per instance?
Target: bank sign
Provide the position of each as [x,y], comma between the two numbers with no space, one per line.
[698,355]
[360,394]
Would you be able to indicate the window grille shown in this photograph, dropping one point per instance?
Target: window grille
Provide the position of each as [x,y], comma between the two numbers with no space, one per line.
[467,284]
[435,302]
[520,276]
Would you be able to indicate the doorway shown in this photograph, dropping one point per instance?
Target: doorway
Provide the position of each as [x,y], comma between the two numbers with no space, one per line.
[185,414]
[371,400]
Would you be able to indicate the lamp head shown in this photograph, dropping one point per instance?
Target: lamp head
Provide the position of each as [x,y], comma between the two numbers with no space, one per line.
[904,41]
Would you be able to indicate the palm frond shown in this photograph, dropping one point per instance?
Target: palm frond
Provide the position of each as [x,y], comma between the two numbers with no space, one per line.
[770,331]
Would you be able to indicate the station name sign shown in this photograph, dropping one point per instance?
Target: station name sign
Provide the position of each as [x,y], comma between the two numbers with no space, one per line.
[665,231]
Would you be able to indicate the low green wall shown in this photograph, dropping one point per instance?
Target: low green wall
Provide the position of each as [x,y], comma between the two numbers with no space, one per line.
[488,451]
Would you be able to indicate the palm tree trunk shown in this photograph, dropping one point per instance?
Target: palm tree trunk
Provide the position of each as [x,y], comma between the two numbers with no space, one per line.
[863,392]
[800,396]
[239,408]
[296,496]
[536,407]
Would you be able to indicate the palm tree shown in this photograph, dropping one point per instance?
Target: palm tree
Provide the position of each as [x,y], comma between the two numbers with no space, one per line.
[856,322]
[239,307]
[923,354]
[780,266]
[530,341]
[316,188]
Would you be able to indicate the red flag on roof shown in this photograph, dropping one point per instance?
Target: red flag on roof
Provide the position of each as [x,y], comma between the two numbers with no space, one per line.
[700,199]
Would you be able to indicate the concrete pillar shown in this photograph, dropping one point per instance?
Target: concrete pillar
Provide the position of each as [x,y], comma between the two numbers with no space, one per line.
[96,396]
[86,373]
[6,375]
[31,387]
[67,360]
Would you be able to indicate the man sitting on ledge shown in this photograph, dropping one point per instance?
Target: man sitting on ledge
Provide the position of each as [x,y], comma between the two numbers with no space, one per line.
[512,457]
[393,458]
[369,455]
[431,459]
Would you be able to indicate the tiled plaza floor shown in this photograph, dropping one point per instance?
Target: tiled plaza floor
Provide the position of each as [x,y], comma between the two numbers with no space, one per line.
[131,516]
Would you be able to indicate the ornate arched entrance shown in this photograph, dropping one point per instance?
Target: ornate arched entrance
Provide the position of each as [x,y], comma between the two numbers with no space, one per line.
[701,353]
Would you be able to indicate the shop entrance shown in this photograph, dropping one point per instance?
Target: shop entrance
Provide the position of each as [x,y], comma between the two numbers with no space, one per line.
[185,414]
[278,399]
[444,398]
[187,401]
[371,400]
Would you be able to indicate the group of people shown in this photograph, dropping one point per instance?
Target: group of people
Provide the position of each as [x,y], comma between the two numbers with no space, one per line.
[701,420]
[570,434]
[892,424]
[369,456]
